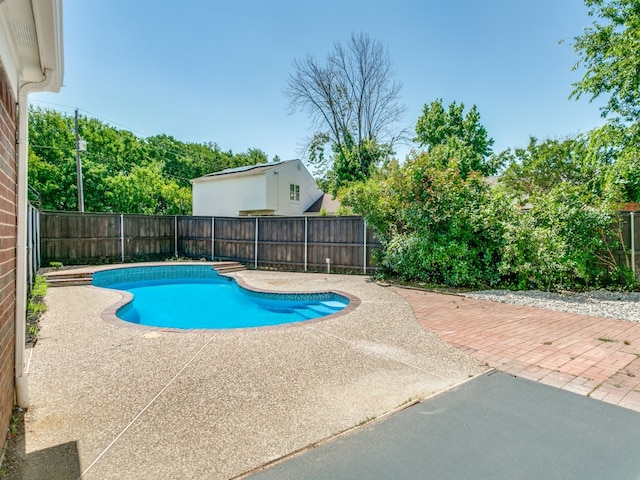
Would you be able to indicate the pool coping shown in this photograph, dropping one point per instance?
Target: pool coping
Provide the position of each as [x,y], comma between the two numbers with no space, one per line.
[109,315]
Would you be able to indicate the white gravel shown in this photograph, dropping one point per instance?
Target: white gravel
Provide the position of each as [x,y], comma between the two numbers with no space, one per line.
[599,303]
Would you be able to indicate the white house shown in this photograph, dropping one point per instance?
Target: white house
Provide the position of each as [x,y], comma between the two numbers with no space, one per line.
[282,188]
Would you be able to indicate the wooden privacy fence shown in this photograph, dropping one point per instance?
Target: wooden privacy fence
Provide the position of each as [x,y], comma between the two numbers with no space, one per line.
[342,244]
[630,239]
[294,243]
[33,244]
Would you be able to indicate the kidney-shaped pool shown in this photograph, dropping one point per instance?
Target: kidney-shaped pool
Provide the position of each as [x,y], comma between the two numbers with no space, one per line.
[196,296]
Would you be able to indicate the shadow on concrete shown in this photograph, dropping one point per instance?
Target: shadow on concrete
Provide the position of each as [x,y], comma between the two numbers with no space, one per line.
[55,463]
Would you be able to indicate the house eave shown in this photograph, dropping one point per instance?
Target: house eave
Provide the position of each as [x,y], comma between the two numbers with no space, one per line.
[31,43]
[208,178]
[248,171]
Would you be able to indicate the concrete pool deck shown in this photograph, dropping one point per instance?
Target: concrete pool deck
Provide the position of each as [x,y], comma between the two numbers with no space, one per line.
[113,402]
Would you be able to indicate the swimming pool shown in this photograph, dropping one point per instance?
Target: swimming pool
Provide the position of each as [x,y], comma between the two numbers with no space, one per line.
[196,297]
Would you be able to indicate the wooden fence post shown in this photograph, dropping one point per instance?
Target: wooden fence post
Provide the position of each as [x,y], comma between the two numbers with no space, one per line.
[365,247]
[633,243]
[29,248]
[175,238]
[122,237]
[38,251]
[306,243]
[255,249]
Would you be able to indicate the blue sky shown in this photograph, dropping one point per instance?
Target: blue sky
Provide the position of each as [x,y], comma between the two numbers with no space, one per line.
[214,71]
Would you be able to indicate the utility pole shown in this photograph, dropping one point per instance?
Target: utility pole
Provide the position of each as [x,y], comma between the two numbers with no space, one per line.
[79,168]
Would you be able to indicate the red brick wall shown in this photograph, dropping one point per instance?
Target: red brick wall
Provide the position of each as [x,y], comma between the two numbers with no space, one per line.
[8,226]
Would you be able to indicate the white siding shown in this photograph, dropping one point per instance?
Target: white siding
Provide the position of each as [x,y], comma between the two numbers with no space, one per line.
[292,173]
[228,196]
[265,192]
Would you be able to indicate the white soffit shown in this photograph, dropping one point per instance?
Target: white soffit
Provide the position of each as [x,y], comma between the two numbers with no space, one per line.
[31,40]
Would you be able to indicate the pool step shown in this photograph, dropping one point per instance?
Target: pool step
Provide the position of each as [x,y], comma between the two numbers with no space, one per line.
[316,310]
[305,313]
[69,278]
[322,309]
[228,267]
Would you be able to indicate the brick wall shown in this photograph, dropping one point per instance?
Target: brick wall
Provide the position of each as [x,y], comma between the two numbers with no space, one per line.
[8,226]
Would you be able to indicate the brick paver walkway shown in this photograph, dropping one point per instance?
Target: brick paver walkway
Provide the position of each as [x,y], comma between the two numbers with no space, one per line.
[593,356]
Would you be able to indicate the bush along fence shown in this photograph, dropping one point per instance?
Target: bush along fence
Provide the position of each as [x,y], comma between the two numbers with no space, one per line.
[337,244]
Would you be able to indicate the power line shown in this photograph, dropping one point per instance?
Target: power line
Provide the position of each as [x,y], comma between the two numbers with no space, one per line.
[96,116]
[143,135]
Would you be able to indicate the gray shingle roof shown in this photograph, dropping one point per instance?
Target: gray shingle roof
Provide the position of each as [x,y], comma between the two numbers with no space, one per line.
[247,168]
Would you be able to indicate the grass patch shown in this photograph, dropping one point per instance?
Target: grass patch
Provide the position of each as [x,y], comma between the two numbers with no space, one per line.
[405,402]
[607,340]
[366,420]
[547,343]
[35,308]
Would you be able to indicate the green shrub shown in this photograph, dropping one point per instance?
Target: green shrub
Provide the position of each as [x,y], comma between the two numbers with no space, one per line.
[437,226]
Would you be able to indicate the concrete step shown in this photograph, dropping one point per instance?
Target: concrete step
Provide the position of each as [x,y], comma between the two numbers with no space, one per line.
[228,267]
[68,274]
[68,282]
[68,278]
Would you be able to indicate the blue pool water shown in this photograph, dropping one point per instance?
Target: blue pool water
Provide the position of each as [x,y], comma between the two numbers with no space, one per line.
[188,297]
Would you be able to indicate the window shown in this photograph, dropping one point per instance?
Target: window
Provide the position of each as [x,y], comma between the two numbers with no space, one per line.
[294,192]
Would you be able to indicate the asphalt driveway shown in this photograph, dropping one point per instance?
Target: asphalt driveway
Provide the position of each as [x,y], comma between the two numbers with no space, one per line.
[494,427]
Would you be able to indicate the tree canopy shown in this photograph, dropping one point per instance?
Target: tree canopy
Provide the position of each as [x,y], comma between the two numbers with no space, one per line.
[608,51]
[352,101]
[121,172]
[462,136]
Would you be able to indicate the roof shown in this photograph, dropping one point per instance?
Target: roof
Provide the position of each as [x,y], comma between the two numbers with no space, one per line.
[326,202]
[31,43]
[246,170]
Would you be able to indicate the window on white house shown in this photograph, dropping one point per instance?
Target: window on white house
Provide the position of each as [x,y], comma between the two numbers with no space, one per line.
[294,192]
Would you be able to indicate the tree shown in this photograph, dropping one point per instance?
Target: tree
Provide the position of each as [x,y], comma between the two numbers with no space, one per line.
[353,104]
[605,162]
[434,224]
[52,164]
[145,190]
[543,165]
[121,172]
[463,135]
[608,50]
[438,226]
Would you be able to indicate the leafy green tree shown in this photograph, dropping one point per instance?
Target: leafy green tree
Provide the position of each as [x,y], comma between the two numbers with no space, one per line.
[616,148]
[462,134]
[561,242]
[121,172]
[184,161]
[435,224]
[438,226]
[608,51]
[543,165]
[145,190]
[354,163]
[604,162]
[52,164]
[353,104]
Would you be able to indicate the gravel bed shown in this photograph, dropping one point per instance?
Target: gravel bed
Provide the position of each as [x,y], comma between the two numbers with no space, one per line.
[622,306]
